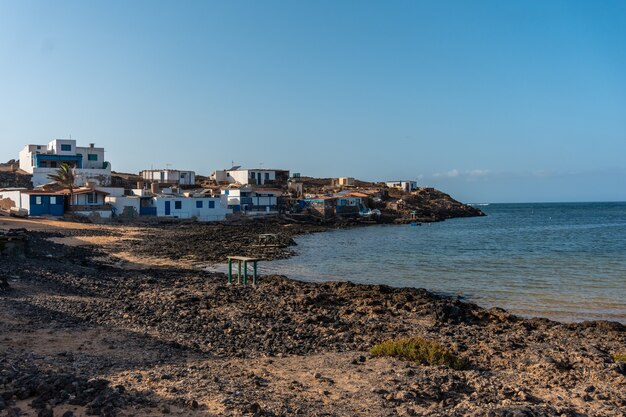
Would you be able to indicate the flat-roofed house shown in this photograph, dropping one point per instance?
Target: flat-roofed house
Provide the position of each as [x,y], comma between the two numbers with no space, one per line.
[43,160]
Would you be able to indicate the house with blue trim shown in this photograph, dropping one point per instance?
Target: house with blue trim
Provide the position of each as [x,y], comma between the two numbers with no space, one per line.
[35,202]
[88,162]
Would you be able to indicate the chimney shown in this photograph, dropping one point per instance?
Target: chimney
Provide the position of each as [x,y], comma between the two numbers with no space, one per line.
[91,145]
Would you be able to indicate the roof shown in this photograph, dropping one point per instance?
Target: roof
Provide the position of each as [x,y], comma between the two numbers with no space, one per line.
[356,194]
[85,191]
[400,181]
[14,189]
[256,169]
[43,192]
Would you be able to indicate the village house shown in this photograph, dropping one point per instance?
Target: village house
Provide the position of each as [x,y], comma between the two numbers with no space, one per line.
[169,176]
[404,185]
[167,204]
[32,202]
[43,160]
[252,201]
[257,176]
[88,201]
[340,205]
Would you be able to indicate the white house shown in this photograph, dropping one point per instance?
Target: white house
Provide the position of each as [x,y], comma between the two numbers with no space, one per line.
[253,202]
[43,160]
[169,176]
[257,176]
[202,208]
[404,185]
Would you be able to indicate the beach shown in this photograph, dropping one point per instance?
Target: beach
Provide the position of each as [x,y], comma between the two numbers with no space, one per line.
[123,320]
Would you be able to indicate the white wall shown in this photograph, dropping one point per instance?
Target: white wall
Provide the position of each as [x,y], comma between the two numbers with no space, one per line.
[120,202]
[15,196]
[188,208]
[55,146]
[243,176]
[26,158]
[86,151]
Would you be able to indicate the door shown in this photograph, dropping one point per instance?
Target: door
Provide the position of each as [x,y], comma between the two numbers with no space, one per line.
[258,178]
[167,208]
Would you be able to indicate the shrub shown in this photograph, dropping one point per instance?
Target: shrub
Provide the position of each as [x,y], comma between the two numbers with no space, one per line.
[416,349]
[619,357]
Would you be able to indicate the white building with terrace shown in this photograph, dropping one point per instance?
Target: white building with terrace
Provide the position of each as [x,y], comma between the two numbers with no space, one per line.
[88,162]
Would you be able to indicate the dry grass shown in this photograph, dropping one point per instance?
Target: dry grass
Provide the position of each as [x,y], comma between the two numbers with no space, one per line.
[619,357]
[416,349]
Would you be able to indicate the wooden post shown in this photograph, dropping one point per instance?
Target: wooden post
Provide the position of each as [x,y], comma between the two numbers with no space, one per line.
[245,273]
[230,271]
[239,271]
[254,280]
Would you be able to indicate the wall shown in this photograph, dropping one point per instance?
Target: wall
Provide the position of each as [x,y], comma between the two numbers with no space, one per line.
[10,199]
[243,176]
[86,151]
[55,146]
[99,176]
[120,203]
[188,208]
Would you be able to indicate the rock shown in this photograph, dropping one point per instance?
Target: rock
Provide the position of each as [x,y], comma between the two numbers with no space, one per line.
[45,412]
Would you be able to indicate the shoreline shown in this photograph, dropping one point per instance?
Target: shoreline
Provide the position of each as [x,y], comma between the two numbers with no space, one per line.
[178,340]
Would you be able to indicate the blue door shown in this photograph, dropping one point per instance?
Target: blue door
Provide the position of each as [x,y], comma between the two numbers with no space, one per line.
[167,208]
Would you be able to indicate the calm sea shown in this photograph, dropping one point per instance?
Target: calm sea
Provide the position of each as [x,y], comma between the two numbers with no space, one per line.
[563,261]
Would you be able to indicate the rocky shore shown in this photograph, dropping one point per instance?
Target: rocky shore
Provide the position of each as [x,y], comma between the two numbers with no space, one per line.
[84,333]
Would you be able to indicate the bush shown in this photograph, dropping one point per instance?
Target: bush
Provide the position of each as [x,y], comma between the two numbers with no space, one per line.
[619,357]
[415,349]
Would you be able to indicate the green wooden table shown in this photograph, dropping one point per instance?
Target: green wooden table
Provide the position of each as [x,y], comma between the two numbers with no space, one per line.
[242,260]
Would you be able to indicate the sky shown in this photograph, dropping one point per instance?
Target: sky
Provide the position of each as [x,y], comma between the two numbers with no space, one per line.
[489,101]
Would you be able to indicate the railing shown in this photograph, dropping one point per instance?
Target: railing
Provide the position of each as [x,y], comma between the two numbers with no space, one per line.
[90,207]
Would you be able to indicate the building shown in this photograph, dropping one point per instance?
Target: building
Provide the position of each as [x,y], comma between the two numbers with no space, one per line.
[341,205]
[43,160]
[169,176]
[35,202]
[404,185]
[201,207]
[89,201]
[343,181]
[251,201]
[257,176]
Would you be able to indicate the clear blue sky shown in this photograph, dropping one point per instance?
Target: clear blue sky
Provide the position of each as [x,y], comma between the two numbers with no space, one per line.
[491,101]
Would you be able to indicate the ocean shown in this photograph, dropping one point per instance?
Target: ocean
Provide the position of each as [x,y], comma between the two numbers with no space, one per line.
[564,261]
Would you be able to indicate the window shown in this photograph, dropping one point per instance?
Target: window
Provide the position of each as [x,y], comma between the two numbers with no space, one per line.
[199,204]
[183,175]
[178,205]
[211,204]
[38,147]
[66,147]
[92,157]
[53,200]
[226,192]
[38,200]
[252,175]
[53,164]
[267,176]
[91,198]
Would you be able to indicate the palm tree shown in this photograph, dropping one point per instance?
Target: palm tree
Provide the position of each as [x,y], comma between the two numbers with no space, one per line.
[65,177]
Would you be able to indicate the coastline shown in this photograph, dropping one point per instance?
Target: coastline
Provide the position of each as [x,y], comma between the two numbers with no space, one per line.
[179,339]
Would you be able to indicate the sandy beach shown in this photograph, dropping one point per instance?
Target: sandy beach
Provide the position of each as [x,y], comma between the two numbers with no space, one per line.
[120,320]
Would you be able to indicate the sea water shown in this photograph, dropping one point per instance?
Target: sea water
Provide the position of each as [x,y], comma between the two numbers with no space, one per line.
[563,261]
